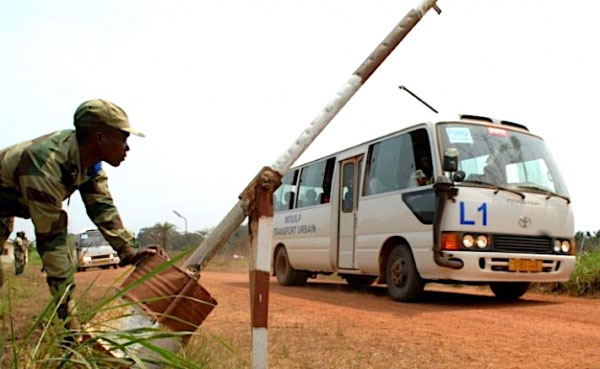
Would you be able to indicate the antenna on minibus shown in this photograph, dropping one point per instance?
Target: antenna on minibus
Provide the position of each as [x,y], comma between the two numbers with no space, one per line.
[402,87]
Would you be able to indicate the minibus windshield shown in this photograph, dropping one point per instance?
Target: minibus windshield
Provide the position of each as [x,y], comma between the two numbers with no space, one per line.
[92,239]
[502,157]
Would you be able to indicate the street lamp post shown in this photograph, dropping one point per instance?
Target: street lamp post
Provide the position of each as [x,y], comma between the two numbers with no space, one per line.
[182,217]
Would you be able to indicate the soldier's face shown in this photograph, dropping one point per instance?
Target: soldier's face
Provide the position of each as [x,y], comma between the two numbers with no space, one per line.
[115,146]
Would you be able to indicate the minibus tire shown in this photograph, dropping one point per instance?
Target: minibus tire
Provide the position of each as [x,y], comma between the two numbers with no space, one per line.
[403,281]
[509,291]
[285,272]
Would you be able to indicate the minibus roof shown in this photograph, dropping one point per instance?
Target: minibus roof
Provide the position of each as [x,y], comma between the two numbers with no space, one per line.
[462,118]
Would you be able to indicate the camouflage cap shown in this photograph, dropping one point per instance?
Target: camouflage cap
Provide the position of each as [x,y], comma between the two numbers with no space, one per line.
[103,112]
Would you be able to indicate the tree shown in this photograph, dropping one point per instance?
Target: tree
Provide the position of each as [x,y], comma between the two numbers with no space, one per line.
[160,234]
[163,230]
[182,241]
[147,236]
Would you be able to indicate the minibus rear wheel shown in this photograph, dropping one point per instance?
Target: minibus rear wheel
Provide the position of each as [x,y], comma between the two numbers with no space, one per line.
[403,280]
[509,291]
[286,274]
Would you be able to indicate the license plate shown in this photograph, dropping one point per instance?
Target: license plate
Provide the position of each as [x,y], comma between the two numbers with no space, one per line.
[524,265]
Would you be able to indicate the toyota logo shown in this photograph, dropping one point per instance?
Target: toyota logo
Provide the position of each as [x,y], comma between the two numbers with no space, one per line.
[524,222]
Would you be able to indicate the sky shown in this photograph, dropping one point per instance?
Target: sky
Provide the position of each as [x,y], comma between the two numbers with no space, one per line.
[222,88]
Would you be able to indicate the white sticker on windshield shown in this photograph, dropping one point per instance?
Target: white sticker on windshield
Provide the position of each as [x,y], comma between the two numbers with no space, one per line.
[459,135]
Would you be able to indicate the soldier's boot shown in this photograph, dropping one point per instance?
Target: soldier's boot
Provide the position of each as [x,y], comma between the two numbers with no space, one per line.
[66,309]
[68,314]
[22,265]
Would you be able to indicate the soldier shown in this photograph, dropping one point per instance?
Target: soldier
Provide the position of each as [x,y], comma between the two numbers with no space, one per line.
[37,175]
[19,251]
[25,247]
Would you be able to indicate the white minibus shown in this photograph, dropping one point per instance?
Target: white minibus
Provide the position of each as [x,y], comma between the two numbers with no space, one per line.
[92,250]
[471,200]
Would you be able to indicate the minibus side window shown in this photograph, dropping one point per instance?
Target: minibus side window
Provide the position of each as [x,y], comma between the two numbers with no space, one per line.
[283,198]
[423,175]
[326,196]
[315,183]
[348,188]
[399,162]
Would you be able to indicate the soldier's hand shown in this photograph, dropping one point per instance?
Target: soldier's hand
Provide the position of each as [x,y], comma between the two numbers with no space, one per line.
[131,257]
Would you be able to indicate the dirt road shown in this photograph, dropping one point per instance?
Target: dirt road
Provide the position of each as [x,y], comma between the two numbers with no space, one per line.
[325,324]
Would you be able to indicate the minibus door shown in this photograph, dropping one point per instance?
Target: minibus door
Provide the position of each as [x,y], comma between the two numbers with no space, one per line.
[348,208]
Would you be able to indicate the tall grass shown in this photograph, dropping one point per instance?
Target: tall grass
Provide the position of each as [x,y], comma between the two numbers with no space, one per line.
[48,345]
[585,279]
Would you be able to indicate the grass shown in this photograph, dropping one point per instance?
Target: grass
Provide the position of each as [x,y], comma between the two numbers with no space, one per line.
[212,351]
[32,337]
[584,281]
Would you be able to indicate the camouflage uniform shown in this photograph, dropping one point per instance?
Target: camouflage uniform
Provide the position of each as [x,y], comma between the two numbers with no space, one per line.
[37,176]
[6,228]
[19,252]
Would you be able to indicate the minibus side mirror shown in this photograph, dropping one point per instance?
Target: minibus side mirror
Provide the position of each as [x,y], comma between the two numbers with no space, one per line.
[451,160]
[459,176]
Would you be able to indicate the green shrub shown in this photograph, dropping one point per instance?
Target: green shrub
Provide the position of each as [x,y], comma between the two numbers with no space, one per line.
[586,276]
[584,281]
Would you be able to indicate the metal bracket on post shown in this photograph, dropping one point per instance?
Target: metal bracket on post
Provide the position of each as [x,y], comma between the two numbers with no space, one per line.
[261,227]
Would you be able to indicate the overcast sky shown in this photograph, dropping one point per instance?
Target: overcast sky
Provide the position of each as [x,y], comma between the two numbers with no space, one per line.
[222,88]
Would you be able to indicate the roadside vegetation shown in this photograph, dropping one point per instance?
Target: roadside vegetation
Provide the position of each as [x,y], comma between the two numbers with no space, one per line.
[32,337]
[585,280]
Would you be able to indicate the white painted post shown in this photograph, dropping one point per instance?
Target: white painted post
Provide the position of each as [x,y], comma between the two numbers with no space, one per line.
[261,237]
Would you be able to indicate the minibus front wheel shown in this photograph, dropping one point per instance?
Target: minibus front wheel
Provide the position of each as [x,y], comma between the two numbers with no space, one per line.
[509,291]
[403,280]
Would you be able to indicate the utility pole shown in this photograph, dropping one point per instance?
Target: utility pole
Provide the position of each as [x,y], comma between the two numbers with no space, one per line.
[182,217]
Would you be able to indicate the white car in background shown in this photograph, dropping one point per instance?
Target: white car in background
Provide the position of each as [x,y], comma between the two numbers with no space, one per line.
[92,250]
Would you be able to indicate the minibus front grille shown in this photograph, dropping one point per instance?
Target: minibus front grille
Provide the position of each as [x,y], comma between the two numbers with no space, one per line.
[96,257]
[524,244]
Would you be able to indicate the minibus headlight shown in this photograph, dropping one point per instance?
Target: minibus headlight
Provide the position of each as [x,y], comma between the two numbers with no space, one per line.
[482,241]
[565,246]
[87,259]
[468,241]
[557,246]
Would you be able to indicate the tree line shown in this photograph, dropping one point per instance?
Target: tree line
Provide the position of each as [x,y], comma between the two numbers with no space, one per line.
[166,235]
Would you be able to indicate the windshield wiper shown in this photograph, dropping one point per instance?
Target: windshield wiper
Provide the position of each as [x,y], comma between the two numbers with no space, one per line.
[498,188]
[547,192]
